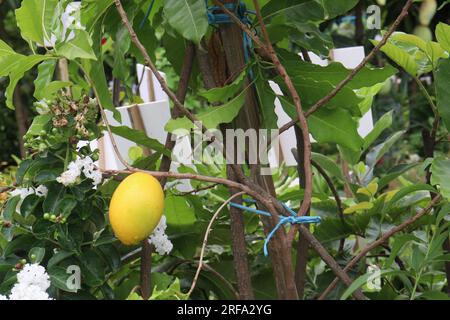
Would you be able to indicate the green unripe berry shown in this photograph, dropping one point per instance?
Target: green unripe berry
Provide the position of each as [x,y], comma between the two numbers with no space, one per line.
[23,261]
[46,216]
[33,257]
[43,133]
[54,130]
[52,217]
[63,220]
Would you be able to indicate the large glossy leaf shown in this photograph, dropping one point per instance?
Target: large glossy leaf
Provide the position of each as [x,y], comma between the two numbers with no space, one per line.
[188,17]
[382,124]
[328,165]
[46,71]
[78,47]
[325,125]
[37,20]
[294,10]
[211,117]
[378,151]
[400,56]
[335,8]
[440,173]
[222,94]
[442,82]
[180,214]
[443,35]
[16,70]
[139,137]
[335,72]
[311,91]
[92,11]
[335,126]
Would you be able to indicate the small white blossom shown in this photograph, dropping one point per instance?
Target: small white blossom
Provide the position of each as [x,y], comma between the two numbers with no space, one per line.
[42,106]
[74,169]
[34,274]
[32,292]
[3,297]
[159,238]
[23,192]
[32,284]
[41,191]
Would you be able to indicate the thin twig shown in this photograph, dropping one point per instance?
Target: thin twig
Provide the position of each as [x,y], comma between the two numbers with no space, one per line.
[382,240]
[336,196]
[205,240]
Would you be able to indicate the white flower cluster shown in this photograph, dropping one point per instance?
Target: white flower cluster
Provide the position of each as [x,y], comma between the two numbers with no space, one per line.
[32,284]
[74,169]
[159,238]
[40,191]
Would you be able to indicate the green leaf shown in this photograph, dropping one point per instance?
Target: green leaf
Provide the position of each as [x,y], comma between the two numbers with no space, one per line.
[335,126]
[79,47]
[140,138]
[10,208]
[58,257]
[328,165]
[17,70]
[54,196]
[443,35]
[334,72]
[382,124]
[46,71]
[37,19]
[440,173]
[266,98]
[395,172]
[311,91]
[408,190]
[298,11]
[121,46]
[397,245]
[360,281]
[400,56]
[188,17]
[5,49]
[29,204]
[325,125]
[335,8]
[212,116]
[222,94]
[180,214]
[39,123]
[59,277]
[37,253]
[442,91]
[378,151]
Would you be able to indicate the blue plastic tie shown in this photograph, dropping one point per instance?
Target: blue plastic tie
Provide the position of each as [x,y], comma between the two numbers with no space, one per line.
[241,12]
[147,14]
[292,219]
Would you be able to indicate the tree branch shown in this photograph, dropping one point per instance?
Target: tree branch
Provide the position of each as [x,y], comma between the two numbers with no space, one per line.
[380,241]
[352,74]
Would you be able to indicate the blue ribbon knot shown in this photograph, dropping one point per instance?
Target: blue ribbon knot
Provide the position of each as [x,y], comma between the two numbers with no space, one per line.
[292,219]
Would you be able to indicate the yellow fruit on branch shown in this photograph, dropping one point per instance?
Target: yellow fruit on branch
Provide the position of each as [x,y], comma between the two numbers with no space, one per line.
[136,208]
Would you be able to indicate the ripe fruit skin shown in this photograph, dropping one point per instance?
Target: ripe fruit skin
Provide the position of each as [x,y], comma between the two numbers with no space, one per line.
[136,208]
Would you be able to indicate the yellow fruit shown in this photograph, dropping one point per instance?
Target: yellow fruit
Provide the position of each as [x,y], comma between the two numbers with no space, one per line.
[136,208]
